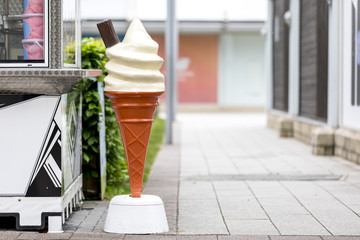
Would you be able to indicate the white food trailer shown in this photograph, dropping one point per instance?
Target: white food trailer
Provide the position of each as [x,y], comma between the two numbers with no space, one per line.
[40,112]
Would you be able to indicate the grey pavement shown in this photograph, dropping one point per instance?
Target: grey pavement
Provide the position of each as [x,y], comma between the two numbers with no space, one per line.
[228,177]
[241,179]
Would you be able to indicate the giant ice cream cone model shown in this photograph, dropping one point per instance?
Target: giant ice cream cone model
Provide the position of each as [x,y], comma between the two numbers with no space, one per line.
[134,84]
[134,113]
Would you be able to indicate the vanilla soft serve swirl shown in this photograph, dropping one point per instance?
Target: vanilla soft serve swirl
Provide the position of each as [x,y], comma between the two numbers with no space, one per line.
[134,64]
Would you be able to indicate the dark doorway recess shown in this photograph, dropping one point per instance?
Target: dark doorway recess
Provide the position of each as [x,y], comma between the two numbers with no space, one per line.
[314,59]
[280,37]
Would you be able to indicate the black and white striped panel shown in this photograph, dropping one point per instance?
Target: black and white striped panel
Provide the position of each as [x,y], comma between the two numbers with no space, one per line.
[46,178]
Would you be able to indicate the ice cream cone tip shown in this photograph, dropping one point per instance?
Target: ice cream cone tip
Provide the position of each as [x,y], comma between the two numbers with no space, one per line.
[136,32]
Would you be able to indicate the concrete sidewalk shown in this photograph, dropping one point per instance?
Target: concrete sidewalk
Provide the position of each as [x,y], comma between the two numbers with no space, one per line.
[239,178]
[228,177]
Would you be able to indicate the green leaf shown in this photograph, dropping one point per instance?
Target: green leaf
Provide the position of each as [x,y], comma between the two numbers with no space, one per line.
[91,140]
[94,174]
[92,106]
[86,135]
[86,157]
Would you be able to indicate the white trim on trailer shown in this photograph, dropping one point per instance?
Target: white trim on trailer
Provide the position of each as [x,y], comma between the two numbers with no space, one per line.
[30,209]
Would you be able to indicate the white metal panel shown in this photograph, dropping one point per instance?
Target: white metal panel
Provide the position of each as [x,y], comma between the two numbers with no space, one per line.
[334,62]
[241,69]
[22,131]
[268,58]
[350,114]
[294,53]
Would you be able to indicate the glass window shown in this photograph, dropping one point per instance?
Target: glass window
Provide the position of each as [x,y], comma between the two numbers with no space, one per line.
[71,33]
[23,33]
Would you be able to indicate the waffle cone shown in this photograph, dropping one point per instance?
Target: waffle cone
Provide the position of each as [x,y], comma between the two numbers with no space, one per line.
[135,114]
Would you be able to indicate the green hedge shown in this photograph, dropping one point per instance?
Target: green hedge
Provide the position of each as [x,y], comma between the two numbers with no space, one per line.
[94,57]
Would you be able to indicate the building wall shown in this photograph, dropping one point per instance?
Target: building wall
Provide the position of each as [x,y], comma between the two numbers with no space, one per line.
[347,137]
[339,134]
[197,67]
[226,70]
[351,71]
[241,70]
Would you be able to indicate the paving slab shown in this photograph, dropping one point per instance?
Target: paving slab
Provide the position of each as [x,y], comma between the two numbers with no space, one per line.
[90,236]
[251,227]
[285,210]
[298,224]
[355,208]
[196,190]
[295,238]
[241,208]
[237,237]
[341,238]
[9,235]
[198,237]
[201,224]
[149,237]
[40,236]
[203,207]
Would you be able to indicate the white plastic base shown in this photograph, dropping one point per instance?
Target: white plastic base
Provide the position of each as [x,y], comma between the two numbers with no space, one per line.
[136,215]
